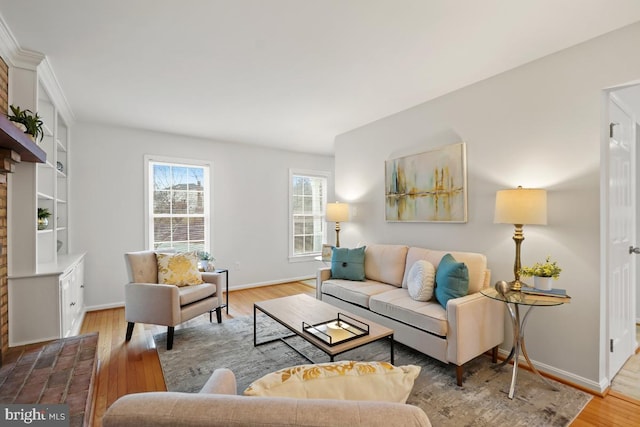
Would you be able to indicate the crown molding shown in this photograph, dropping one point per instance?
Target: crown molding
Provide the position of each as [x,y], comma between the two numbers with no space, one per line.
[13,54]
[17,57]
[49,80]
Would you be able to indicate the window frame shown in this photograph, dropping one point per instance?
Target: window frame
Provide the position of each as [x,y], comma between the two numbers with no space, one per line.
[148,195]
[315,174]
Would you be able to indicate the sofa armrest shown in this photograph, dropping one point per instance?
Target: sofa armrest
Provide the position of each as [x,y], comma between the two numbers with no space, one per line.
[323,274]
[152,303]
[476,325]
[217,279]
[221,381]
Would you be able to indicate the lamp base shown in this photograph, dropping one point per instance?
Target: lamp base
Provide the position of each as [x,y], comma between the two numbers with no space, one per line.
[516,285]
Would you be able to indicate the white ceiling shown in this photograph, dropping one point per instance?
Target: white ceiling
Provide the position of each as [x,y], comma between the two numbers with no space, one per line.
[290,74]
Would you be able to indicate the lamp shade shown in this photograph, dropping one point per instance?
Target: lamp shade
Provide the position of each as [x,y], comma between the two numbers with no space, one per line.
[521,206]
[337,212]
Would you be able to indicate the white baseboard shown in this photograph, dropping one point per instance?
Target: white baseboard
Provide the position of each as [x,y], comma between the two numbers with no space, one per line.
[104,306]
[271,282]
[569,377]
[231,288]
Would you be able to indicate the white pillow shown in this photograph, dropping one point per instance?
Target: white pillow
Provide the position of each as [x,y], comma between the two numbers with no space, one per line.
[421,280]
[345,380]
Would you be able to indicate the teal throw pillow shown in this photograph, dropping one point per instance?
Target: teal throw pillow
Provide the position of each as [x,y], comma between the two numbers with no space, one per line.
[452,280]
[347,264]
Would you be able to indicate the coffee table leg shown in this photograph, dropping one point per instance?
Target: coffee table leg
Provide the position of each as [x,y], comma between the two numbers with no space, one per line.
[391,346]
[254,326]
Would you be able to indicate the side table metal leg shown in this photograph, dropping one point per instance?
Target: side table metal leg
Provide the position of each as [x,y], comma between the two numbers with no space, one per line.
[526,356]
[515,316]
[226,294]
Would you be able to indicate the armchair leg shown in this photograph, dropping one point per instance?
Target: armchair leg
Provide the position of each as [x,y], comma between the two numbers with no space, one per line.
[494,354]
[219,314]
[459,372]
[129,331]
[169,337]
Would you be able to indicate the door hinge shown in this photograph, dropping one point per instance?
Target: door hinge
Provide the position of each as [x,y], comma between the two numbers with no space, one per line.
[611,345]
[611,125]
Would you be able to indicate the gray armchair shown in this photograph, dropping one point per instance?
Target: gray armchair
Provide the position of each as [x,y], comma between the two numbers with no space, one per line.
[146,301]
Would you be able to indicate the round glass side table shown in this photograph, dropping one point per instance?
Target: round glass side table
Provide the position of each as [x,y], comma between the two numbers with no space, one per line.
[513,300]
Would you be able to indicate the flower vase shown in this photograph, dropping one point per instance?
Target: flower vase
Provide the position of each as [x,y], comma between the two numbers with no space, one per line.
[542,283]
[42,223]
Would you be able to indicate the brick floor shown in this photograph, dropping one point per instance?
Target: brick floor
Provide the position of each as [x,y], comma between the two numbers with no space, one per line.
[61,371]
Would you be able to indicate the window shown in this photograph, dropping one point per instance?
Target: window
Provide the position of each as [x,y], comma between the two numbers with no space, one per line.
[177,204]
[308,200]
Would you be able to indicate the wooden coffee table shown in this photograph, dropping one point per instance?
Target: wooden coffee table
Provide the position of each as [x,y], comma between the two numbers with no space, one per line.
[293,310]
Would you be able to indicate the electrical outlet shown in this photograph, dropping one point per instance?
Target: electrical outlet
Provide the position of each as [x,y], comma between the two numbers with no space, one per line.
[237,265]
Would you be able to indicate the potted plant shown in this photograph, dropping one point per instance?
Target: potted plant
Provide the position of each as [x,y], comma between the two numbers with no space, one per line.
[542,273]
[206,261]
[43,218]
[30,123]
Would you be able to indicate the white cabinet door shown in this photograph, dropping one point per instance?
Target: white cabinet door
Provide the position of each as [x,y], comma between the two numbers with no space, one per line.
[66,303]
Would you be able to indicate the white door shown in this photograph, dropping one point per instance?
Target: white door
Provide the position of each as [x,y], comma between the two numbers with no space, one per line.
[621,232]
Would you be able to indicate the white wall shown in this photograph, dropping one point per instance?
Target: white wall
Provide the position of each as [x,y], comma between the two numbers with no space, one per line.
[249,205]
[535,126]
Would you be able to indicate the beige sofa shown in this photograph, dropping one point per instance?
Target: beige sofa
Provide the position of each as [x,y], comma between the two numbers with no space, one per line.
[218,405]
[469,326]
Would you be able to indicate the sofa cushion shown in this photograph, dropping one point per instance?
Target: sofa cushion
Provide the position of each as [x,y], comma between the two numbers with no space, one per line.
[346,380]
[452,280]
[354,292]
[348,263]
[178,269]
[397,304]
[476,264]
[421,280]
[385,263]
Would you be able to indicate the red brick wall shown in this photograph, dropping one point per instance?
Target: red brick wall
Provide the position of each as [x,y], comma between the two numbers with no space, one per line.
[4,299]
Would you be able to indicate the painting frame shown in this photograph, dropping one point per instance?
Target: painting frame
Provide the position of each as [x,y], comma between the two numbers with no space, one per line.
[430,186]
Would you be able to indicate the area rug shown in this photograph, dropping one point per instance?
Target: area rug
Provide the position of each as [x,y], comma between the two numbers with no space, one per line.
[201,347]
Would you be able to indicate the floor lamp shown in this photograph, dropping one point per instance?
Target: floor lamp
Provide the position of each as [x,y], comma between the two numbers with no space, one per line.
[520,206]
[337,212]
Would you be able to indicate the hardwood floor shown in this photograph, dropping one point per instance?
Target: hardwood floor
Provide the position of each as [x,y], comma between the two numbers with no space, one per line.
[134,367]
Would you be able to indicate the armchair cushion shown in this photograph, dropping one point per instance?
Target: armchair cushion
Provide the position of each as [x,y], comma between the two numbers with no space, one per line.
[178,269]
[189,294]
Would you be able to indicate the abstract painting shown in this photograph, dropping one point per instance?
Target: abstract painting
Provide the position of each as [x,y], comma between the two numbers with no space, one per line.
[427,187]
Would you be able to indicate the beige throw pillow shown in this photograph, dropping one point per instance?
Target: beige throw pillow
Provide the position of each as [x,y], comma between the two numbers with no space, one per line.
[421,280]
[346,380]
[178,269]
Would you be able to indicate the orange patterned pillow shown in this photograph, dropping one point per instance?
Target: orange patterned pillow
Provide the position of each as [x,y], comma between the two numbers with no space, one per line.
[178,269]
[347,380]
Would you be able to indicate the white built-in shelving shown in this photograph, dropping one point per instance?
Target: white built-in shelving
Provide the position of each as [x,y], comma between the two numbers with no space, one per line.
[46,280]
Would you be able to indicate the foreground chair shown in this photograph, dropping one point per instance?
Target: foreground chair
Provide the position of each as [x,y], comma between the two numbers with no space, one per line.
[217,404]
[147,301]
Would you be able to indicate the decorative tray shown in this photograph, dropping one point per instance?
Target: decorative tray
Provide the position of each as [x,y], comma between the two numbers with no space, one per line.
[337,331]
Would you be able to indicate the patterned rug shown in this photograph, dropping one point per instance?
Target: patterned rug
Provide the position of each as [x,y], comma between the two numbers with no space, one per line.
[200,347]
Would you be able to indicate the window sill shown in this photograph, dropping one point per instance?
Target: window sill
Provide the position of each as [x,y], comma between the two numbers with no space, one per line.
[305,258]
